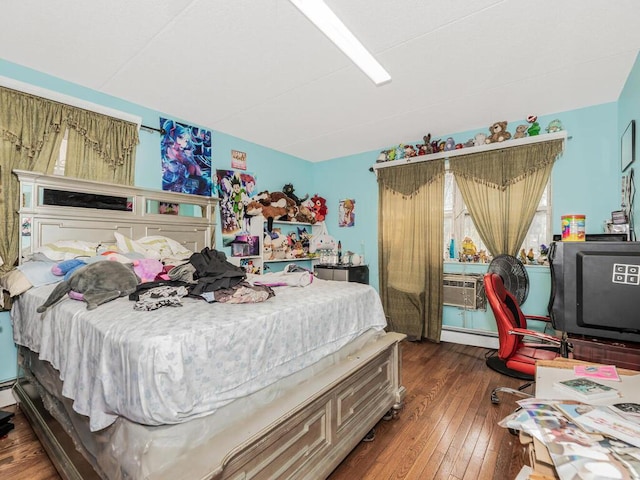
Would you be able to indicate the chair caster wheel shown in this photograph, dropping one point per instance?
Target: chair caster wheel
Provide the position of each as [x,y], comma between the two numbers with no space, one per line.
[494,398]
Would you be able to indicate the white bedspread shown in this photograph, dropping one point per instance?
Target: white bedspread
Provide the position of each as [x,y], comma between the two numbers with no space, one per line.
[177,363]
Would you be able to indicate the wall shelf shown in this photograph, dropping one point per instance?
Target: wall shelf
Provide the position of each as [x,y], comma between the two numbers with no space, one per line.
[470,150]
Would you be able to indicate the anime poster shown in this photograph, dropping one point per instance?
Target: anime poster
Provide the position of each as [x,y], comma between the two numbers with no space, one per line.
[346,213]
[235,191]
[238,160]
[186,158]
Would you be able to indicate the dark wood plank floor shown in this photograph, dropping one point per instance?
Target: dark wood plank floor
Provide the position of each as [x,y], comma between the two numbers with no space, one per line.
[446,430]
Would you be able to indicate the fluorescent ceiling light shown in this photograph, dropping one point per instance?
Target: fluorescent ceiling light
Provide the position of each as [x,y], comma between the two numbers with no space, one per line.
[328,23]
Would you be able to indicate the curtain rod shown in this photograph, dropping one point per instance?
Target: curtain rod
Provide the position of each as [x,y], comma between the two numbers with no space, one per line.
[161,131]
[547,137]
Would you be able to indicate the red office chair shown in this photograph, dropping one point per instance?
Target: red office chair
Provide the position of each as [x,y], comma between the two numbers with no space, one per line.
[515,357]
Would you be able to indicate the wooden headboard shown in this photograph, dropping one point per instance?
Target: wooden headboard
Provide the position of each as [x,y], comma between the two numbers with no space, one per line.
[54,208]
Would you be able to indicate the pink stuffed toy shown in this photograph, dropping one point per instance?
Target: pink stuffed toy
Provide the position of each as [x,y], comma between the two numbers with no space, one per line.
[147,269]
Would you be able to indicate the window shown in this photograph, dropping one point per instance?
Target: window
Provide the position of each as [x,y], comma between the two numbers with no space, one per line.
[458,224]
[62,155]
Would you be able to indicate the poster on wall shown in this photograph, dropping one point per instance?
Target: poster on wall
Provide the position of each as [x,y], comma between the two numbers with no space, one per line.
[238,160]
[235,191]
[346,213]
[186,158]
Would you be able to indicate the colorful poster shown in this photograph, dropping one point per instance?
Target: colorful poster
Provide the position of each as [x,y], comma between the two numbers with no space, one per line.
[235,191]
[186,158]
[238,160]
[346,213]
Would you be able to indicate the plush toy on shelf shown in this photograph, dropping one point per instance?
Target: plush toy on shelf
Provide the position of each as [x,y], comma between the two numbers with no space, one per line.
[288,190]
[554,126]
[269,212]
[319,207]
[534,129]
[498,133]
[521,131]
[449,144]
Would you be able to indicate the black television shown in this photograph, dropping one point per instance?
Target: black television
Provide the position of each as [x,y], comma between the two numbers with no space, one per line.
[595,289]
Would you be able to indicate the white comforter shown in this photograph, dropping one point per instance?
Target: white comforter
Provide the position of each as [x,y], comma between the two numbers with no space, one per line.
[177,363]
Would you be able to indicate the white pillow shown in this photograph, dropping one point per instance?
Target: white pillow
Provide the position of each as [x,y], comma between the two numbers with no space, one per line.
[155,246]
[67,249]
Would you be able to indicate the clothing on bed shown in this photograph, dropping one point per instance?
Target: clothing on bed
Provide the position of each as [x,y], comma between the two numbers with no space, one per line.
[213,271]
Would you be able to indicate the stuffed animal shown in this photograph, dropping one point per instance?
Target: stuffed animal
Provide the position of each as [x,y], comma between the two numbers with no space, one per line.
[554,126]
[267,211]
[305,215]
[521,131]
[449,145]
[427,144]
[534,129]
[498,133]
[147,269]
[409,151]
[288,191]
[279,245]
[98,283]
[67,267]
[319,208]
[479,139]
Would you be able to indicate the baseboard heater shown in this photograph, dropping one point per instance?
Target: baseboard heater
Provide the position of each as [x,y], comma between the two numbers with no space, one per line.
[464,291]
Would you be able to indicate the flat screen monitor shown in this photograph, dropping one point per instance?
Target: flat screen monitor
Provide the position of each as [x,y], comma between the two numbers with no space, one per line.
[595,289]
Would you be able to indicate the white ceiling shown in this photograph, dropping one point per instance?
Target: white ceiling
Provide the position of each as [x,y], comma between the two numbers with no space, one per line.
[259,70]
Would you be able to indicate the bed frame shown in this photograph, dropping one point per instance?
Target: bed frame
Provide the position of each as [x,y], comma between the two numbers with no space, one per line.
[304,435]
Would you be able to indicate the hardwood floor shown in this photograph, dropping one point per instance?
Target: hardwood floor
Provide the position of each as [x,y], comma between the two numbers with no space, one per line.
[447,429]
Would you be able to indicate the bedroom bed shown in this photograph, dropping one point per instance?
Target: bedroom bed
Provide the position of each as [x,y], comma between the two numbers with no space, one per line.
[285,388]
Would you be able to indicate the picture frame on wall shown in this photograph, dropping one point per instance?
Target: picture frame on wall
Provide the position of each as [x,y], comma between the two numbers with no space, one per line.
[628,146]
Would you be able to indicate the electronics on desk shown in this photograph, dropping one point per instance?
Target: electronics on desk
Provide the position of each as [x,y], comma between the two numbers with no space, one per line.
[595,289]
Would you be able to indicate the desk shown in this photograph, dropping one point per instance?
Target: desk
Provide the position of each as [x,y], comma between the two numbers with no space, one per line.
[550,371]
[547,373]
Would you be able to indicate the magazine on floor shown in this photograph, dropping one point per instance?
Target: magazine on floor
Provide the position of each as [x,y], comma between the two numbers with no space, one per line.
[577,453]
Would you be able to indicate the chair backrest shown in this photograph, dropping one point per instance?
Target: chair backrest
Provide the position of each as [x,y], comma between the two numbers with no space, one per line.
[507,313]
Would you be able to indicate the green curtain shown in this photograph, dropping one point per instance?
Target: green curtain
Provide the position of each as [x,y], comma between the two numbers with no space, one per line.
[410,246]
[100,148]
[31,130]
[502,190]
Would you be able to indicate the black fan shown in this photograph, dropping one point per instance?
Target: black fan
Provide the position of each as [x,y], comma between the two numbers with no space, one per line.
[514,276]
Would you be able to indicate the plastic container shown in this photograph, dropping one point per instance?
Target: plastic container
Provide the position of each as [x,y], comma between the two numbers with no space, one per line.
[573,228]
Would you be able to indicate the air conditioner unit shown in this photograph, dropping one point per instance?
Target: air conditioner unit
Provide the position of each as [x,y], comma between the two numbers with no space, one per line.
[464,291]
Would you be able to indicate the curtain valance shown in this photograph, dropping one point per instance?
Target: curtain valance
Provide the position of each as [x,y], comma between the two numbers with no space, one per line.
[504,167]
[26,120]
[408,179]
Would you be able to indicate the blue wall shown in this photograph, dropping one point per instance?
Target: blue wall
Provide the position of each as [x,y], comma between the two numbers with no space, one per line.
[586,179]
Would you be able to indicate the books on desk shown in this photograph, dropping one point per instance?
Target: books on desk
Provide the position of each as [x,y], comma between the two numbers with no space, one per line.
[602,372]
[586,389]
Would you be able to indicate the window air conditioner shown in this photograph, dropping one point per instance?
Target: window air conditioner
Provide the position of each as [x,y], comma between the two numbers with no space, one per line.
[464,291]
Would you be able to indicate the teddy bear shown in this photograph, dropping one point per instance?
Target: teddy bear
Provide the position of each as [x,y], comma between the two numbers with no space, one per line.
[521,131]
[498,133]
